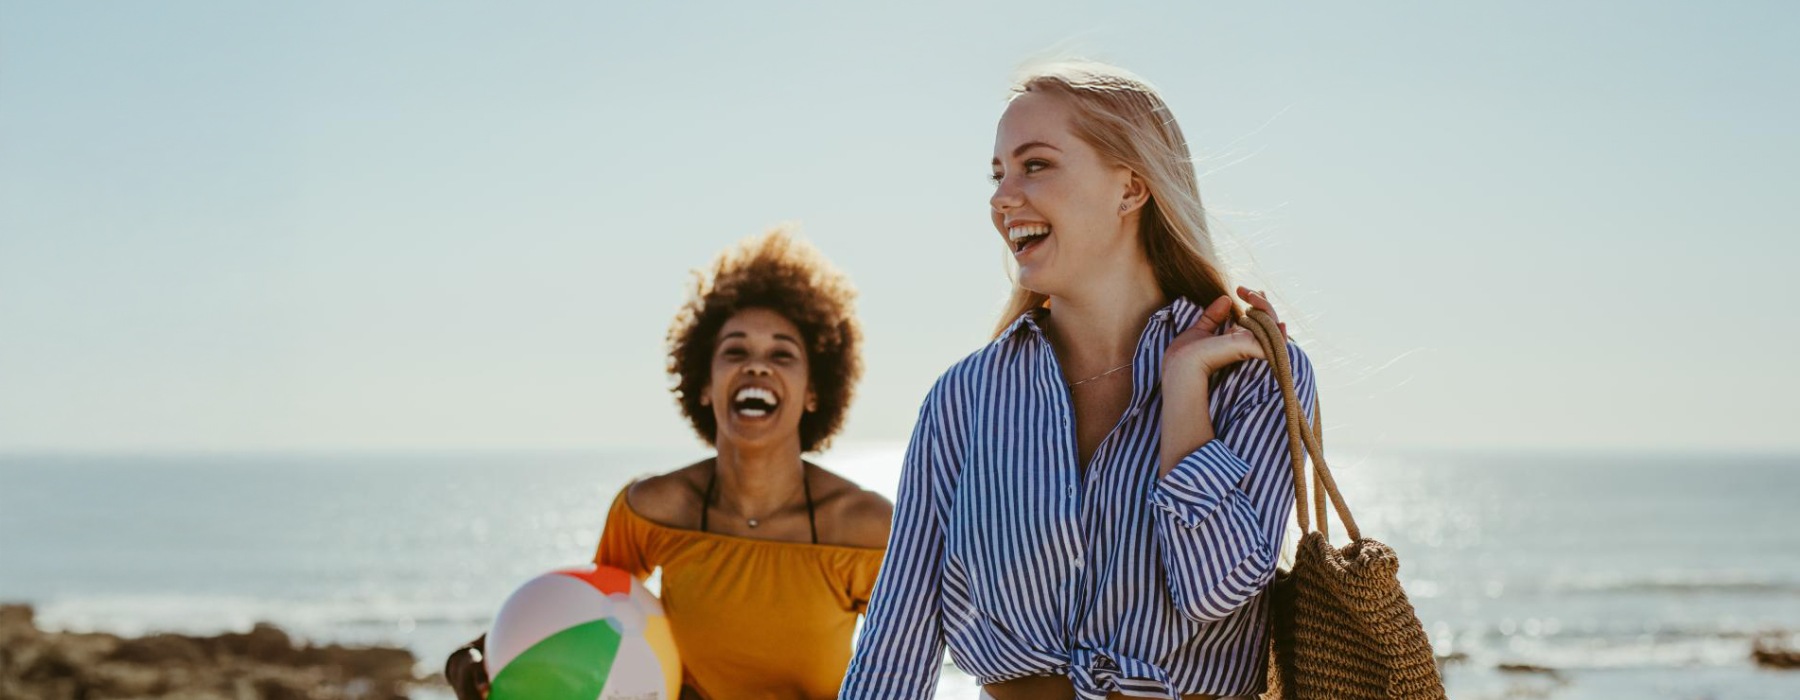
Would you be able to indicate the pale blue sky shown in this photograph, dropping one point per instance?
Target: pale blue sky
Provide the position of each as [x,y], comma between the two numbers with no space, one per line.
[400,224]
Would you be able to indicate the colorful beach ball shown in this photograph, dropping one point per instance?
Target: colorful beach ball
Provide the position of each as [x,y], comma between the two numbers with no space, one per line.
[587,633]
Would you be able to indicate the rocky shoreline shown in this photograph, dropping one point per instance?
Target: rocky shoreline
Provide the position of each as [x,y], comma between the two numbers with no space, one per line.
[263,663]
[266,663]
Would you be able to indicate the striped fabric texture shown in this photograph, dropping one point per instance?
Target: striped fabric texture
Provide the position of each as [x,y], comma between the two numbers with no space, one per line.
[1023,562]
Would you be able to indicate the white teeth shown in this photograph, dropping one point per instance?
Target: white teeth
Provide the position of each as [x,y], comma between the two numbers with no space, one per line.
[753,412]
[1024,231]
[757,392]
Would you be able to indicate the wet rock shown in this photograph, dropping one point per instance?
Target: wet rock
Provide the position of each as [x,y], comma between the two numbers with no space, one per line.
[263,663]
[265,643]
[1769,653]
[16,621]
[364,662]
[53,664]
[1555,676]
[161,649]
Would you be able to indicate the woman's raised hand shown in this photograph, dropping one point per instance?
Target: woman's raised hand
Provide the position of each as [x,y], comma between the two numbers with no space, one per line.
[1188,366]
[1207,348]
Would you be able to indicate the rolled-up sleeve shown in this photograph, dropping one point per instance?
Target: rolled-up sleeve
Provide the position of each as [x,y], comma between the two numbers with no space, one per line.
[901,650]
[1224,507]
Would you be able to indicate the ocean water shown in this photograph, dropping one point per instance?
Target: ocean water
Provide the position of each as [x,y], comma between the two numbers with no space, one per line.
[1626,576]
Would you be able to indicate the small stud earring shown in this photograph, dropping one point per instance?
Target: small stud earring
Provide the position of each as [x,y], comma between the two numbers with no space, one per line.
[1122,208]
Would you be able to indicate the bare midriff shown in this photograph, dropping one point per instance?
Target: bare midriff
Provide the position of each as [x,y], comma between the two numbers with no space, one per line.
[1051,688]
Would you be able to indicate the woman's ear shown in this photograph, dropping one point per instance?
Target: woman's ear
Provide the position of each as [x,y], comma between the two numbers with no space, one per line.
[706,394]
[1137,193]
[812,401]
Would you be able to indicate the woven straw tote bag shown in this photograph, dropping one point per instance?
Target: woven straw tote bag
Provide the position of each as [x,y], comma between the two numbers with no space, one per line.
[1341,627]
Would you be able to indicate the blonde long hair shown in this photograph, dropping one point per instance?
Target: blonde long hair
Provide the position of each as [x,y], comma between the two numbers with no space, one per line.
[1124,118]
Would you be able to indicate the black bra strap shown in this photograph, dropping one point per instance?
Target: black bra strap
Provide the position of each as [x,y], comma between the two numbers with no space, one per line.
[811,522]
[706,501]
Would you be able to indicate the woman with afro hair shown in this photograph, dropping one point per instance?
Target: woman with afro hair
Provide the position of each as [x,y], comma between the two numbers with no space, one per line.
[767,559]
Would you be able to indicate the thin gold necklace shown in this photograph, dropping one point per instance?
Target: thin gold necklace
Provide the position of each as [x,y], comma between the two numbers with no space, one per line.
[712,483]
[1102,374]
[1097,376]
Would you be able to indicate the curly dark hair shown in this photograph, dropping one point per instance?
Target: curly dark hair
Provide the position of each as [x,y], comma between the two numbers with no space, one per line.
[781,273]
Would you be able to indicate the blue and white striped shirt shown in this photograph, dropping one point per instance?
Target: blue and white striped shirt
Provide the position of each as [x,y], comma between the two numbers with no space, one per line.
[1004,549]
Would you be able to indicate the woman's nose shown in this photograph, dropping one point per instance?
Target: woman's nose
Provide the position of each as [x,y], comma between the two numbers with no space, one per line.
[1006,197]
[758,369]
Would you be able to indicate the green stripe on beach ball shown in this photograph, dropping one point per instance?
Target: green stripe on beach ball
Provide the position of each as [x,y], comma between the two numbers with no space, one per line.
[570,665]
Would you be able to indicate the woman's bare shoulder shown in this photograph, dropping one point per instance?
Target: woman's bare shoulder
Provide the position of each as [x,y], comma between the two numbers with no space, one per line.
[671,499]
[849,514]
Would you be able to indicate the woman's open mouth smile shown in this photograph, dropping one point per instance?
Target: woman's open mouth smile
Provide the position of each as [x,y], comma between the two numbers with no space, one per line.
[754,403]
[1024,237]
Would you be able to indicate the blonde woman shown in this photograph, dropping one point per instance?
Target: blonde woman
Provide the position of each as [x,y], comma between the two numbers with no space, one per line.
[1092,504]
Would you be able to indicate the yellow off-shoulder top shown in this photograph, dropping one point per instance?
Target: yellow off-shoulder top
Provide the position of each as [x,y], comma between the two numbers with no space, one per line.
[752,618]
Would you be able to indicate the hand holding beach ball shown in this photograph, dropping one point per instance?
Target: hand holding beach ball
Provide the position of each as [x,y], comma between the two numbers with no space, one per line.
[583,633]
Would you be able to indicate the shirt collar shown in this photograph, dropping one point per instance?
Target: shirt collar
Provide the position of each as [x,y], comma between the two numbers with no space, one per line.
[1028,319]
[1180,314]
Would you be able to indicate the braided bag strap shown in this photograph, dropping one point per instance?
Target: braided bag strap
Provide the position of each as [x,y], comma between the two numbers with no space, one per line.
[1303,440]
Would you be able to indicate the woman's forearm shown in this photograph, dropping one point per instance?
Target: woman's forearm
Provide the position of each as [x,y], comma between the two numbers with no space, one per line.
[1186,423]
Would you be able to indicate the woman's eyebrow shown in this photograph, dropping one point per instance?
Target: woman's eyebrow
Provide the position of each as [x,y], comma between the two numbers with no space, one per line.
[778,336]
[1028,146]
